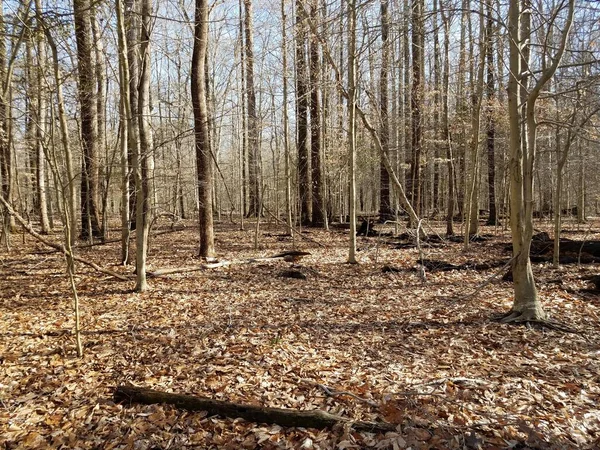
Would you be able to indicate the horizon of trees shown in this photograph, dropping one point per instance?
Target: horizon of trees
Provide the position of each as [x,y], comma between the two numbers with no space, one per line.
[98,118]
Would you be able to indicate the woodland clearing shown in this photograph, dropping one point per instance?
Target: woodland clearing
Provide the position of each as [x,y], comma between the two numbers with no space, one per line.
[350,340]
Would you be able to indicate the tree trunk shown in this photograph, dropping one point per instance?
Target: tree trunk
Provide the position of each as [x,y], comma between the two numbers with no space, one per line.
[526,305]
[201,128]
[491,121]
[41,113]
[126,119]
[416,102]
[145,149]
[253,125]
[286,127]
[100,74]
[352,128]
[302,105]
[90,220]
[318,210]
[385,207]
[5,150]
[132,30]
[446,139]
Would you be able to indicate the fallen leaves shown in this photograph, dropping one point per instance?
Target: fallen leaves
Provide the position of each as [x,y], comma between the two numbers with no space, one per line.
[431,359]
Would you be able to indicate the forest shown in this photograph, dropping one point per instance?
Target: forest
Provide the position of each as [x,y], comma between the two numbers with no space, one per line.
[302,224]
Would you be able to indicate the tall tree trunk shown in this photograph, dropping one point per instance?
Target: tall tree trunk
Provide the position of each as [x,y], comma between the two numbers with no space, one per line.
[90,220]
[145,149]
[5,150]
[352,128]
[302,105]
[286,127]
[132,30]
[201,128]
[436,112]
[526,305]
[70,196]
[472,207]
[253,125]
[385,207]
[491,121]
[126,124]
[416,102]
[41,113]
[318,210]
[446,138]
[100,74]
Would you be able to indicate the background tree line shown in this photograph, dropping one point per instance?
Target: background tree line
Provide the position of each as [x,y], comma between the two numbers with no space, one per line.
[136,109]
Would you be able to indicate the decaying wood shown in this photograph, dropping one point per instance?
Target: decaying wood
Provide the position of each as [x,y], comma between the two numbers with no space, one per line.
[160,272]
[59,247]
[284,417]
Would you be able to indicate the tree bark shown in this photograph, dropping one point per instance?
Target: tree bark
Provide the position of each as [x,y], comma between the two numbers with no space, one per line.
[253,125]
[385,206]
[318,209]
[526,305]
[90,220]
[491,121]
[284,417]
[142,172]
[416,102]
[302,105]
[201,131]
[352,128]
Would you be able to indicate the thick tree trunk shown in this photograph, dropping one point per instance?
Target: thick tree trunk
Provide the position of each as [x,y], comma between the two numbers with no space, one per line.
[491,121]
[142,172]
[253,125]
[201,131]
[302,105]
[90,220]
[132,30]
[416,102]
[385,205]
[318,209]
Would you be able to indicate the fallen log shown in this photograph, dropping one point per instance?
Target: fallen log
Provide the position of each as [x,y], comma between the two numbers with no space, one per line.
[283,417]
[161,272]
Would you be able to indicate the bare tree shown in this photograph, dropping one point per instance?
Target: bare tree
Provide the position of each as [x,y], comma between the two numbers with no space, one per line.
[302,105]
[318,209]
[90,220]
[253,122]
[523,141]
[201,132]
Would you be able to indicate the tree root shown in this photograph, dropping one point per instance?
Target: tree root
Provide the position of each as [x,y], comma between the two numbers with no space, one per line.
[530,320]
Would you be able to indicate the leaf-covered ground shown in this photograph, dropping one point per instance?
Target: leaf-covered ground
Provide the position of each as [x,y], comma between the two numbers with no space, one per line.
[423,355]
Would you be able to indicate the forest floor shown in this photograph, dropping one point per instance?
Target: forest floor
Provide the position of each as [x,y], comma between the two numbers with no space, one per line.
[423,354]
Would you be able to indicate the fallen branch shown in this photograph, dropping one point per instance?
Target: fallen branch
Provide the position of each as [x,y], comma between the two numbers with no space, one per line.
[330,392]
[283,417]
[160,272]
[59,247]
